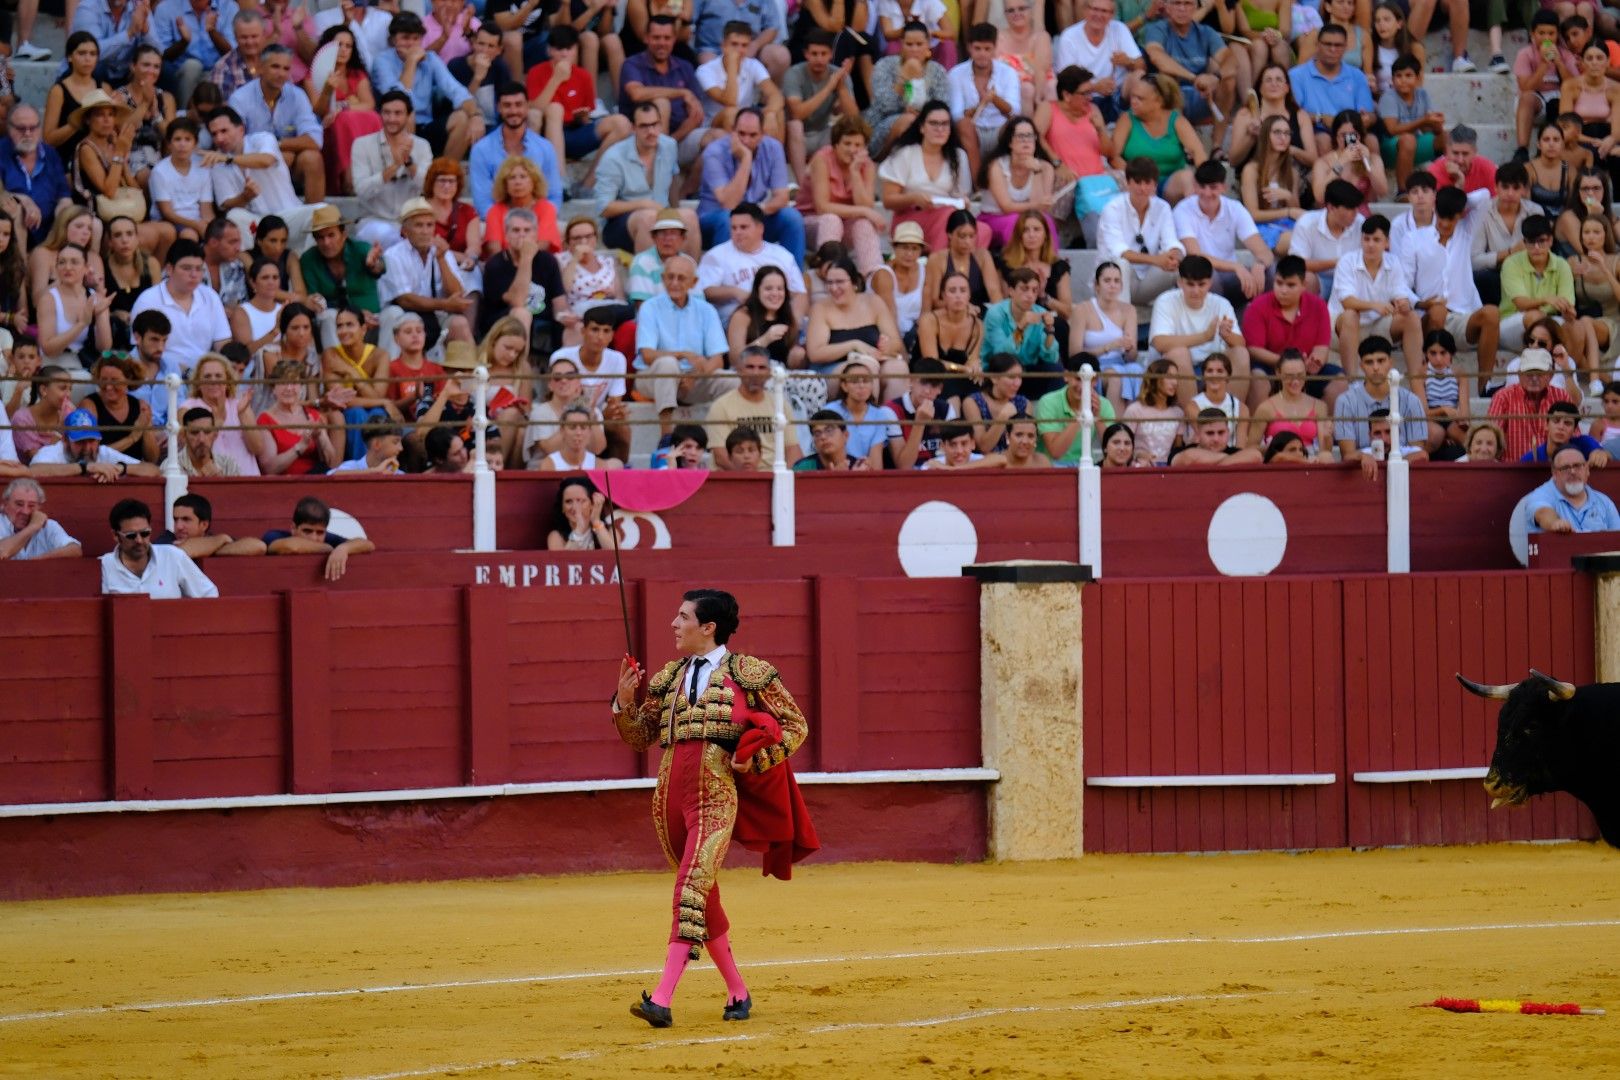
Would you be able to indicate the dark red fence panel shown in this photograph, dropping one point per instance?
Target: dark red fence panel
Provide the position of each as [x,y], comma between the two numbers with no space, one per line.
[1404,638]
[53,701]
[1208,679]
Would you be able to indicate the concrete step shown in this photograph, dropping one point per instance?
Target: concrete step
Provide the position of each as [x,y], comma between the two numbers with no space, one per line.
[1474,99]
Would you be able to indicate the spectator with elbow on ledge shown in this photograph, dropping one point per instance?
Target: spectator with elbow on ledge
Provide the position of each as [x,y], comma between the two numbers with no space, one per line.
[137,567]
[194,532]
[309,536]
[1567,503]
[26,531]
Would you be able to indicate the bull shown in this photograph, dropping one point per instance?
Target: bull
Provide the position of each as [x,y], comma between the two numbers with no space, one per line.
[1556,736]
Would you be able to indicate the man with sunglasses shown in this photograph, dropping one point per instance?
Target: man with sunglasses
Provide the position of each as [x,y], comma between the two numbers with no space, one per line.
[135,566]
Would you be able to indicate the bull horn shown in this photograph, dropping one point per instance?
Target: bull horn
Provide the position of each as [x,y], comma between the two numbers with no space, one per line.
[1499,692]
[1556,689]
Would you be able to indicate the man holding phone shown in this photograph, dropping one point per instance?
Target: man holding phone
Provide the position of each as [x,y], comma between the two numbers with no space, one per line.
[562,95]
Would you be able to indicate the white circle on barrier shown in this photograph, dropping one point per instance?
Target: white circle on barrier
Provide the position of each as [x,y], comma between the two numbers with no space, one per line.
[936,540]
[1247,536]
[1519,533]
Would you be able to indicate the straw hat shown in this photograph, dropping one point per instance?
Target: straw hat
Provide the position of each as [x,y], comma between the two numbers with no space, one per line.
[909,232]
[97,99]
[460,356]
[413,208]
[326,216]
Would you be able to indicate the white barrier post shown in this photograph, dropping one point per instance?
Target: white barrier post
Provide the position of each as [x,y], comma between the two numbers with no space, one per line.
[1090,480]
[483,475]
[1399,493]
[175,481]
[784,524]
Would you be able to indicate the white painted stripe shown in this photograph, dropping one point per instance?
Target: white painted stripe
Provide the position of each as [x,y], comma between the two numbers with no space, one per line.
[1228,780]
[486,791]
[1412,776]
[827,1029]
[858,958]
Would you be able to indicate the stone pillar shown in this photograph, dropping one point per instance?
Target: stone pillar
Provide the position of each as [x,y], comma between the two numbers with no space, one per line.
[1030,706]
[1606,603]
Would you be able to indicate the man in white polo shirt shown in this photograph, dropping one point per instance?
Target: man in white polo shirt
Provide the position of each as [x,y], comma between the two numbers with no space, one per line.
[136,566]
[197,322]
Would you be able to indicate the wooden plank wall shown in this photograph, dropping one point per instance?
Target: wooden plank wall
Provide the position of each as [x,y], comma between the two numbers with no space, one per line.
[1317,676]
[317,691]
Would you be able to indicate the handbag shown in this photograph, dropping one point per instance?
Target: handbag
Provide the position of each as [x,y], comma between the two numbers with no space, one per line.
[129,202]
[1092,193]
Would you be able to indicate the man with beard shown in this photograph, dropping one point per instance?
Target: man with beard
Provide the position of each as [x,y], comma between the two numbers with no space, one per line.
[512,137]
[32,175]
[1565,503]
[163,572]
[388,168]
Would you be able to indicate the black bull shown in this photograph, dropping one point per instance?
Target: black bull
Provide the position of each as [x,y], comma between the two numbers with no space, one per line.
[1556,736]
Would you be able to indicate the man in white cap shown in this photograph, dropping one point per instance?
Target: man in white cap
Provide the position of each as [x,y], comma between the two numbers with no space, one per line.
[1521,407]
[418,277]
[672,233]
[389,167]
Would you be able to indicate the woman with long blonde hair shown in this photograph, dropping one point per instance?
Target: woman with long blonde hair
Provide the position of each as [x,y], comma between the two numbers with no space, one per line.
[1271,183]
[213,387]
[505,352]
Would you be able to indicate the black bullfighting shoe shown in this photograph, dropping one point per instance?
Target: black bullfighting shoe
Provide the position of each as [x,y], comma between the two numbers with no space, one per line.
[655,1014]
[738,1010]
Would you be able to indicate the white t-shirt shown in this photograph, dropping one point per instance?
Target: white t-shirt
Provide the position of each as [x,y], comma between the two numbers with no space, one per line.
[927,12]
[608,379]
[964,93]
[725,265]
[184,194]
[190,333]
[1074,47]
[56,454]
[1218,238]
[170,574]
[275,183]
[1171,315]
[407,272]
[712,76]
[8,446]
[905,167]
[1313,242]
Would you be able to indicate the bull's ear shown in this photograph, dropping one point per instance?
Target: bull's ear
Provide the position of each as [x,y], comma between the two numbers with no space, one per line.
[1498,692]
[1556,690]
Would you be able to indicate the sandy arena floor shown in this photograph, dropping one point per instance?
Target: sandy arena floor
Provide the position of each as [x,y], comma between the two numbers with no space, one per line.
[1232,966]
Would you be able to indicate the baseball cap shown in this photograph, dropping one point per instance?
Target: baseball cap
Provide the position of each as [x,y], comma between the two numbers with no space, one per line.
[668,219]
[81,426]
[1535,360]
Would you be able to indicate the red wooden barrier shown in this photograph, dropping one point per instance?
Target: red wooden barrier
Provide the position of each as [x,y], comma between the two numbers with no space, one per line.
[1317,676]
[1403,640]
[1212,678]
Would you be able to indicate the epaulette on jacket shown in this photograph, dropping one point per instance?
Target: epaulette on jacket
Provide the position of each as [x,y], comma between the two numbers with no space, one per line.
[661,682]
[750,672]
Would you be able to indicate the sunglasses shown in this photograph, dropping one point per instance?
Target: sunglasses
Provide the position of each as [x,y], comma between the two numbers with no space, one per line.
[135,534]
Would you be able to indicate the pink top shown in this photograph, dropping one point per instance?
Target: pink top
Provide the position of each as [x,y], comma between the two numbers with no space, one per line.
[288,36]
[837,181]
[1305,429]
[228,443]
[457,46]
[1077,143]
[26,433]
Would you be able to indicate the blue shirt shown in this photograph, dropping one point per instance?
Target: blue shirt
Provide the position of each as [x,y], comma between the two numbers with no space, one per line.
[291,117]
[660,324]
[1321,96]
[1584,443]
[94,18]
[868,433]
[485,160]
[1597,515]
[1192,50]
[769,173]
[433,82]
[620,176]
[170,13]
[46,184]
[708,29]
[639,69]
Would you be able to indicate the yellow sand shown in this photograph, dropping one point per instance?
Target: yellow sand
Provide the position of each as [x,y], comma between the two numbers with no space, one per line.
[903,970]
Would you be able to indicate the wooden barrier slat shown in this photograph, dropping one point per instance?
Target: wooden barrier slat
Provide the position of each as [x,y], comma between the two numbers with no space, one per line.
[308,695]
[487,665]
[129,705]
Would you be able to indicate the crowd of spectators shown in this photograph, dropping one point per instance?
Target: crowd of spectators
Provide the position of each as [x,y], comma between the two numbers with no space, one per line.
[877,197]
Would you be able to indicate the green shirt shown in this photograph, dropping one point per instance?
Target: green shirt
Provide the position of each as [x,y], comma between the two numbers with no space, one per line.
[359,287]
[1053,413]
[1519,278]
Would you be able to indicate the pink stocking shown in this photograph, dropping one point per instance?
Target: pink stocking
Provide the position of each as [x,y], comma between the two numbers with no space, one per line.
[720,953]
[674,965]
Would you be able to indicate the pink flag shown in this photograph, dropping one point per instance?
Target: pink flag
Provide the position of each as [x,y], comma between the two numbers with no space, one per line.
[648,490]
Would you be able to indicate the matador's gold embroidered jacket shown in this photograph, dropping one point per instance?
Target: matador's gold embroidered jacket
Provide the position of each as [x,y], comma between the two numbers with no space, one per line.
[740,685]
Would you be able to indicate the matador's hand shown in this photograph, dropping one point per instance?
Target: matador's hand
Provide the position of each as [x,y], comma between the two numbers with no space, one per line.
[629,684]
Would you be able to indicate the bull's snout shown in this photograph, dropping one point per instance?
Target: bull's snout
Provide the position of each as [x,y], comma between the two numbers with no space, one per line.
[1503,793]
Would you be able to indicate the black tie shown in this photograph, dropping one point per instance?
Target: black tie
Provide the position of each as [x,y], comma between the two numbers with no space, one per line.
[692,690]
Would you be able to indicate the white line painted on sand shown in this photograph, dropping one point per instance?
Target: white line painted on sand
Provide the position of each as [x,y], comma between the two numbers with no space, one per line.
[823,1029]
[859,958]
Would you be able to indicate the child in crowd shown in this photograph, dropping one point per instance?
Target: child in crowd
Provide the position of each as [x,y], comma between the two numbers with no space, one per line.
[690,449]
[182,191]
[1415,131]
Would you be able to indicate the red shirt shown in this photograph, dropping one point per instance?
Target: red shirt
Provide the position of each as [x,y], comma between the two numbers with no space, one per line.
[1481,174]
[574,94]
[1264,325]
[1527,431]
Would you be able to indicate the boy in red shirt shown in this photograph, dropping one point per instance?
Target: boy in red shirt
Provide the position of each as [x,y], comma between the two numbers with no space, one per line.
[562,96]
